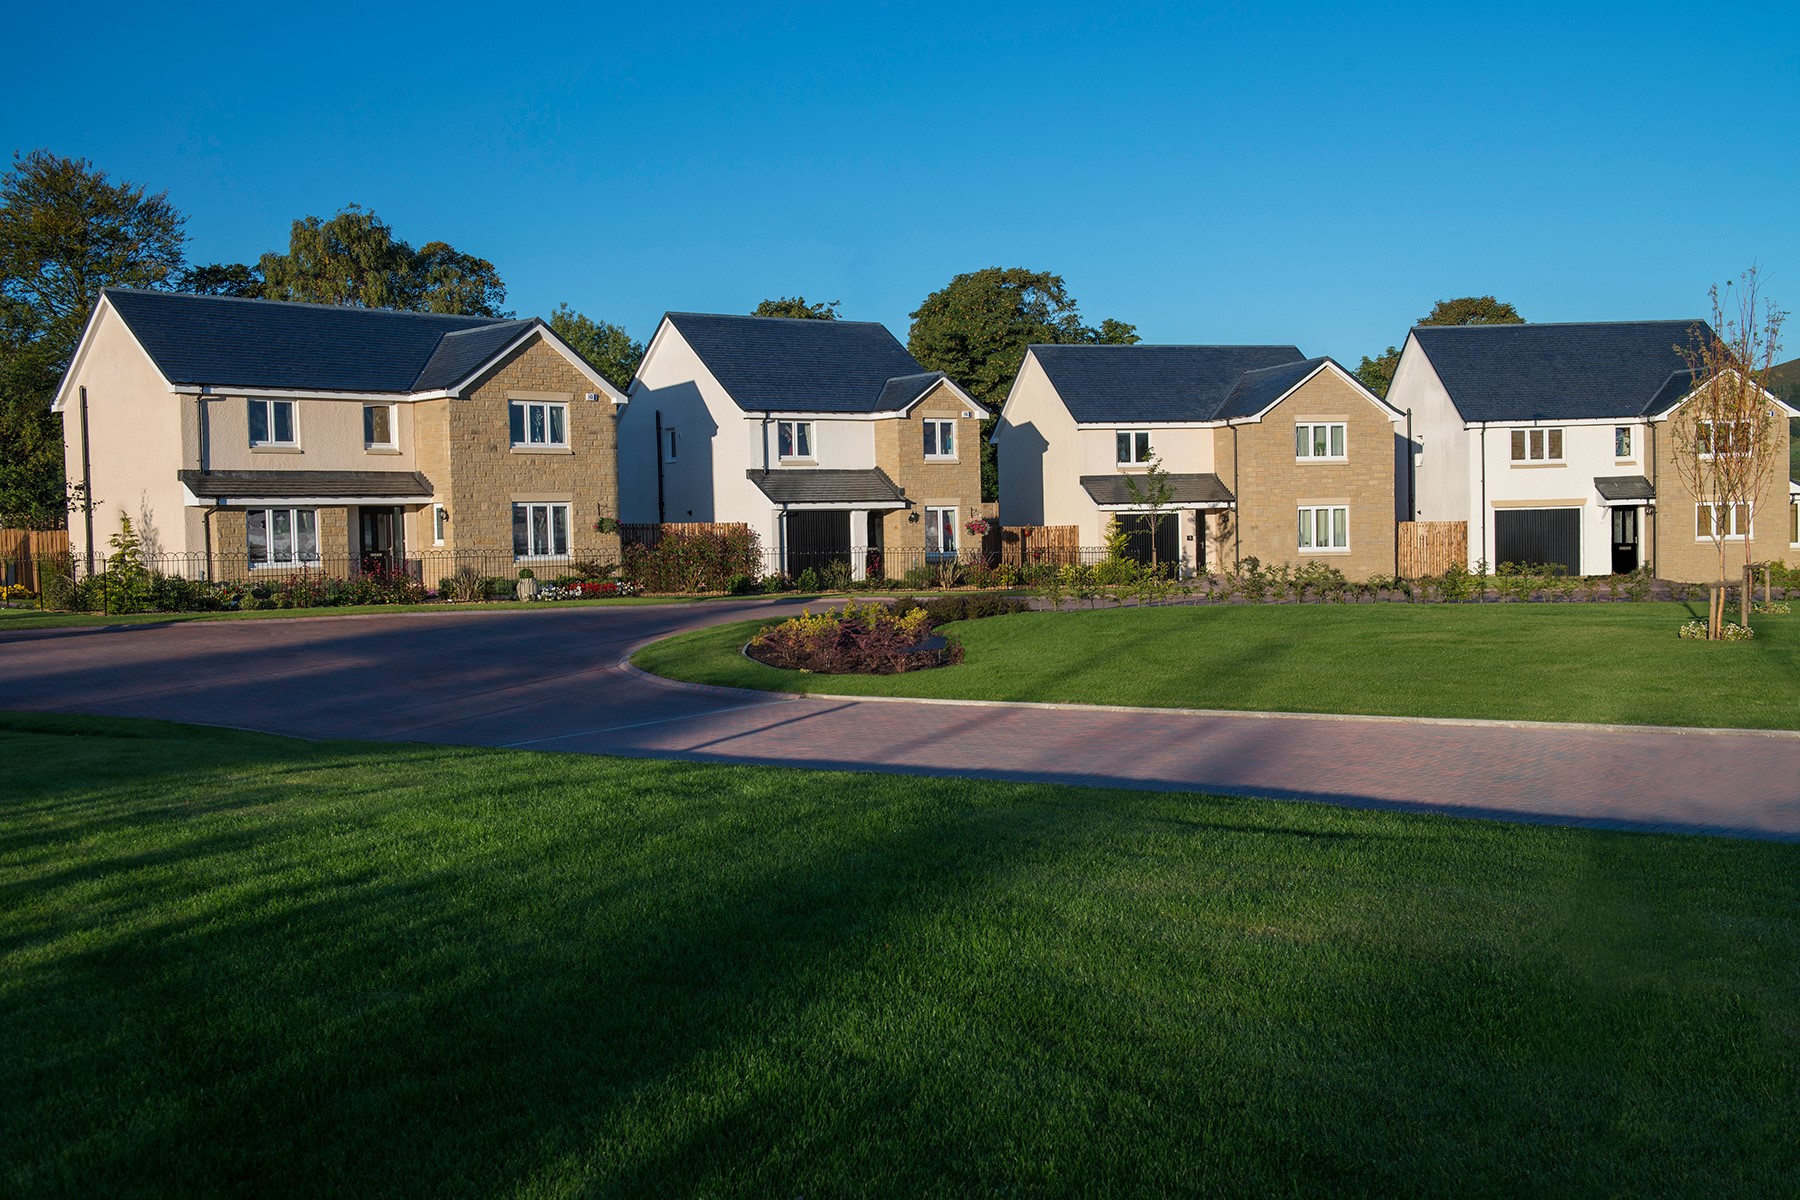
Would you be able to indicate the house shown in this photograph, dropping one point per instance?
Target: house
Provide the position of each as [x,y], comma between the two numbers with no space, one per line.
[254,435]
[1271,455]
[826,438]
[1553,442]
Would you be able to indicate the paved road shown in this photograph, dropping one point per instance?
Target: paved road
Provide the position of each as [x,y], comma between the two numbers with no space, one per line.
[553,680]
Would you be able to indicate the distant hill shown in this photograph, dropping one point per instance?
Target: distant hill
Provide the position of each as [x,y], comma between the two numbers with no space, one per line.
[1785,378]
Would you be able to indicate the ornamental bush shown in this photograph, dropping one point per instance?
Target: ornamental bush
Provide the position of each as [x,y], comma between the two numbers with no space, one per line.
[858,639]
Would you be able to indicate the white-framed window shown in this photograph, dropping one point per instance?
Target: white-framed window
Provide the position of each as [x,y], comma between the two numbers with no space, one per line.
[1733,522]
[1794,523]
[272,422]
[440,517]
[539,424]
[1734,438]
[282,537]
[940,439]
[378,427]
[1319,440]
[540,530]
[1324,527]
[940,531]
[1133,447]
[1621,441]
[1537,445]
[668,444]
[794,439]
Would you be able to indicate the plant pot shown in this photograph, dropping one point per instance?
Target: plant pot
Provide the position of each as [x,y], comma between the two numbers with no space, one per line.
[527,589]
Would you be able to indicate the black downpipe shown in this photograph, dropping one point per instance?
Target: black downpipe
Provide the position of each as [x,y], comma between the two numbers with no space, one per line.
[87,484]
[659,469]
[1650,510]
[1484,507]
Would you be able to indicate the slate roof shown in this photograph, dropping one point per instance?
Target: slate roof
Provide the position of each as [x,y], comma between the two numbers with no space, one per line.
[902,390]
[1256,390]
[1189,489]
[792,364]
[825,486]
[1581,371]
[1624,487]
[226,341]
[1128,384]
[276,485]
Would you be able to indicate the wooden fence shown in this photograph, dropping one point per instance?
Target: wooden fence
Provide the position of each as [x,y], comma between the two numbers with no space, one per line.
[1429,547]
[21,549]
[1059,544]
[649,533]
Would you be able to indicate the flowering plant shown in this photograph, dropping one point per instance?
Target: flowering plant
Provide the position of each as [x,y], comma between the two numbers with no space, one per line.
[978,527]
[606,525]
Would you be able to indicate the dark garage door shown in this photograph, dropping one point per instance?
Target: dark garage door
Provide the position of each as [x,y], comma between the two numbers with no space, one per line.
[817,539]
[1168,537]
[1538,535]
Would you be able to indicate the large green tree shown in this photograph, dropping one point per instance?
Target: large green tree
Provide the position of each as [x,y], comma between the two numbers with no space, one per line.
[66,231]
[796,306]
[354,258]
[976,327]
[607,347]
[1377,373]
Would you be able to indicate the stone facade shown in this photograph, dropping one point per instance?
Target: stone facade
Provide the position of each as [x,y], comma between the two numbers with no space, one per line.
[900,451]
[1271,483]
[1680,553]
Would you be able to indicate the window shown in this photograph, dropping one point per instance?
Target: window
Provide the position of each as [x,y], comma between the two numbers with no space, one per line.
[1537,445]
[439,518]
[940,531]
[1734,439]
[1134,447]
[540,530]
[1325,528]
[940,439]
[668,445]
[794,439]
[282,537]
[1794,523]
[378,426]
[1319,440]
[1729,521]
[538,423]
[271,422]
[1621,441]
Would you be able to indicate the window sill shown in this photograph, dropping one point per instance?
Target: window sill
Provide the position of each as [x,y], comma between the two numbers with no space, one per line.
[797,462]
[543,450]
[381,450]
[276,448]
[1536,466]
[940,459]
[1335,552]
[1324,460]
[1134,468]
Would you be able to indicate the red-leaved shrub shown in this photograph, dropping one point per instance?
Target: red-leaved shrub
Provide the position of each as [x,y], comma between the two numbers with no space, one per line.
[863,639]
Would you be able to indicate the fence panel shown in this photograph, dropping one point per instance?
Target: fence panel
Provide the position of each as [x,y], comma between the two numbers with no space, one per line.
[1021,545]
[1429,548]
[22,549]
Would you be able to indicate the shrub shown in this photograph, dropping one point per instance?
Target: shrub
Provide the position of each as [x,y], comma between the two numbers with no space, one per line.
[527,573]
[868,639]
[941,610]
[743,585]
[836,575]
[918,577]
[808,580]
[693,561]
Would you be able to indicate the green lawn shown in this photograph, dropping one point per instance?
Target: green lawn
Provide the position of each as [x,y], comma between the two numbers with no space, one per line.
[31,618]
[1539,662]
[232,963]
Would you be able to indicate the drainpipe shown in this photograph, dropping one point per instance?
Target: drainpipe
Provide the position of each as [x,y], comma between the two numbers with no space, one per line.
[1484,508]
[1237,516]
[659,469]
[87,484]
[1412,471]
[1650,509]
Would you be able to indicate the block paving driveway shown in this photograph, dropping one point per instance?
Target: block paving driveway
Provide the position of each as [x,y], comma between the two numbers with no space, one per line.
[554,680]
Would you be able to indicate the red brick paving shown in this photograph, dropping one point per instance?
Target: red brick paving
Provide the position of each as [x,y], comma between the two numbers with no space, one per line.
[551,680]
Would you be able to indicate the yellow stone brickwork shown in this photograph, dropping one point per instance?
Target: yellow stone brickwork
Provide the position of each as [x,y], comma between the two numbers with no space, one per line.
[1272,483]
[900,451]
[1681,553]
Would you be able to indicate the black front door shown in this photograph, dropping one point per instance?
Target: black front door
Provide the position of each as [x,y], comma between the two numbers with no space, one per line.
[1539,537]
[817,539]
[1168,537]
[1625,540]
[380,539]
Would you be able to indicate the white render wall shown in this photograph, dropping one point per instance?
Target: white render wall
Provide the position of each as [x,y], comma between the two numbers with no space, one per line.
[1446,455]
[1587,454]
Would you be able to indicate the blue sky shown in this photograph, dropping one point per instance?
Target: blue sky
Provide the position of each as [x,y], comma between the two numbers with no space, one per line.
[1252,172]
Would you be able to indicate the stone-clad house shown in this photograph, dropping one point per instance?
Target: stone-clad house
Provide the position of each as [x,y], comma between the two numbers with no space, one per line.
[245,436]
[826,438]
[1553,442]
[1271,455]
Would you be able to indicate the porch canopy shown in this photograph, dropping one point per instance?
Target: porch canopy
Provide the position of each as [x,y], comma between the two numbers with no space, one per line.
[318,489]
[826,488]
[1624,491]
[1110,493]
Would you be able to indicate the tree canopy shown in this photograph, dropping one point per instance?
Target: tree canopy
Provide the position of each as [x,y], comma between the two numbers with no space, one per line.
[607,347]
[975,329]
[66,231]
[796,306]
[1377,374]
[354,258]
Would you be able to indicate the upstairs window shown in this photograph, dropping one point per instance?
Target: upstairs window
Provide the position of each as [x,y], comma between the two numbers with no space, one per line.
[1621,441]
[794,439]
[378,426]
[1723,437]
[1319,440]
[1134,447]
[940,439]
[1537,445]
[271,422]
[537,424]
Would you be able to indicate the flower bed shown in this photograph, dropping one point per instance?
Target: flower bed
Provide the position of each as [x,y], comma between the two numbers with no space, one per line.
[858,639]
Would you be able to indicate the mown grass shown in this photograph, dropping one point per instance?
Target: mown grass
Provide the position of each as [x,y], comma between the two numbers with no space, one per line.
[1540,662]
[237,964]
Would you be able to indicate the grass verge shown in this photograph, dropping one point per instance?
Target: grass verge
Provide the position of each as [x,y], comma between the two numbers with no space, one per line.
[1610,663]
[233,963]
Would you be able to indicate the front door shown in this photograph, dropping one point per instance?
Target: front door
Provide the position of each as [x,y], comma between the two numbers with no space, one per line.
[1625,540]
[380,539]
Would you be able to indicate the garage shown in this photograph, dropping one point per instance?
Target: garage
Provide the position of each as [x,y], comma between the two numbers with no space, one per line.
[1538,536]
